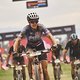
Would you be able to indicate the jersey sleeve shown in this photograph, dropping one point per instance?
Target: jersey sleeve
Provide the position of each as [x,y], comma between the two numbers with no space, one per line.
[23,32]
[44,29]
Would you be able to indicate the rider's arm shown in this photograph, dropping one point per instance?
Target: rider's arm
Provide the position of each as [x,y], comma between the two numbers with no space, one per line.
[65,50]
[64,53]
[9,54]
[7,60]
[18,39]
[50,36]
[47,33]
[53,49]
[16,44]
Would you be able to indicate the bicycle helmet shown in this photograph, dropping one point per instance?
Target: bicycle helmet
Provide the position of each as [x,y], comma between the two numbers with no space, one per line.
[74,36]
[57,41]
[32,16]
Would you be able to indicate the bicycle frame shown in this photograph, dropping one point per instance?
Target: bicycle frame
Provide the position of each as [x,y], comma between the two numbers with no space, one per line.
[57,69]
[18,69]
[77,69]
[36,63]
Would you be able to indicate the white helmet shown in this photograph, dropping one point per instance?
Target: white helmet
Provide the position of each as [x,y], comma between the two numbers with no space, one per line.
[32,16]
[57,41]
[74,36]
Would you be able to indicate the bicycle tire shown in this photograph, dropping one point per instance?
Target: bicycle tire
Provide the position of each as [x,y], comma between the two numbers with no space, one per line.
[23,73]
[36,72]
[78,74]
[19,75]
[57,74]
[15,74]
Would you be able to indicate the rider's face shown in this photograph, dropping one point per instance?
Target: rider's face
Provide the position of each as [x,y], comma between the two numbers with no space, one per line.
[33,24]
[74,41]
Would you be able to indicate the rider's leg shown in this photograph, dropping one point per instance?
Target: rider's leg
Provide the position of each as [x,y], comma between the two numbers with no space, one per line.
[72,70]
[45,71]
[53,65]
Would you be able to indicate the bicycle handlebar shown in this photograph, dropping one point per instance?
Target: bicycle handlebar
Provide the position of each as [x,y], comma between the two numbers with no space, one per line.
[37,53]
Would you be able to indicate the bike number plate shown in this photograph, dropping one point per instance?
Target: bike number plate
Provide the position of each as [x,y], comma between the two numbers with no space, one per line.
[57,61]
[18,68]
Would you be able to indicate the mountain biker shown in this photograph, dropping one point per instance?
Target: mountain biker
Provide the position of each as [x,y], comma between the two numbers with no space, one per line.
[73,45]
[33,33]
[15,58]
[1,57]
[56,52]
[1,60]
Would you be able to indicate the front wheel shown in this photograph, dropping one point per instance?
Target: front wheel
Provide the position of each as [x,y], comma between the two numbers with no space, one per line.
[36,72]
[79,74]
[23,73]
[17,74]
[14,73]
[57,73]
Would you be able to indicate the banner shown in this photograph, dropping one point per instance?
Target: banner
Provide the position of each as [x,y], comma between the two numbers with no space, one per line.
[36,3]
[18,0]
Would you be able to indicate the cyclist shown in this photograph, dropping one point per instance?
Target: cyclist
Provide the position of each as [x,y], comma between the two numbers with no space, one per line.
[56,50]
[33,32]
[15,58]
[73,45]
[1,60]
[56,53]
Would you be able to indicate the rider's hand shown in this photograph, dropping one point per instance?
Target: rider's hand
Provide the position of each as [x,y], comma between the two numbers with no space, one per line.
[67,59]
[54,57]
[28,51]
[62,58]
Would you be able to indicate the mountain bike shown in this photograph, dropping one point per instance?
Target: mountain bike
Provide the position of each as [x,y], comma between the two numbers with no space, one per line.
[18,67]
[38,74]
[77,69]
[57,69]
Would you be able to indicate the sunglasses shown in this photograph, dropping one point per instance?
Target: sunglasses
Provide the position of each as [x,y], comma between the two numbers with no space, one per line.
[74,40]
[33,21]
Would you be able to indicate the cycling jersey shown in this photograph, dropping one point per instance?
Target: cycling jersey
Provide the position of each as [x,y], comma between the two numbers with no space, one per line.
[34,35]
[56,50]
[15,57]
[74,50]
[20,49]
[34,38]
[1,57]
